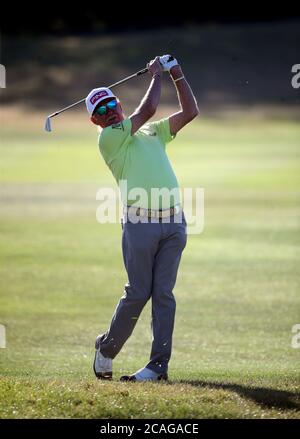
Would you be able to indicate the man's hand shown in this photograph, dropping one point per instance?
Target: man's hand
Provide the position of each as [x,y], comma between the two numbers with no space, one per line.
[167,62]
[155,68]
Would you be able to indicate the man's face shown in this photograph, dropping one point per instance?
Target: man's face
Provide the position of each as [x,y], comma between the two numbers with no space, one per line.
[111,116]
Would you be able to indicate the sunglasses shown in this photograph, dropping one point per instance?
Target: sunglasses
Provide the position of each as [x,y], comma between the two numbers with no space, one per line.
[112,105]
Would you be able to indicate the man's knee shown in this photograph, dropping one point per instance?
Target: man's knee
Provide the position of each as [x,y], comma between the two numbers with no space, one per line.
[164,297]
[135,295]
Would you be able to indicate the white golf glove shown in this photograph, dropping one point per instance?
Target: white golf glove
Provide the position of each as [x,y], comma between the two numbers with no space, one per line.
[167,62]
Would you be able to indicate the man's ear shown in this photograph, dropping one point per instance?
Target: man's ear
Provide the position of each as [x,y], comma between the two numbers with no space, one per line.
[94,120]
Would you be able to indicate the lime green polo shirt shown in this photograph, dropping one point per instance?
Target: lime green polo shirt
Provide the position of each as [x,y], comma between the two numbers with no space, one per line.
[141,160]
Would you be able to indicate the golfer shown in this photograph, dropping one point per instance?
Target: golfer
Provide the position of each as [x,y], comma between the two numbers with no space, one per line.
[153,228]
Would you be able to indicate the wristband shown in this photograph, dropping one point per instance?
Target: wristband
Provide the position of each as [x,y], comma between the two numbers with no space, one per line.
[178,79]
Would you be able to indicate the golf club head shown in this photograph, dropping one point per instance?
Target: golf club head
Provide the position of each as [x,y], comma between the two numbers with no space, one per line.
[48,124]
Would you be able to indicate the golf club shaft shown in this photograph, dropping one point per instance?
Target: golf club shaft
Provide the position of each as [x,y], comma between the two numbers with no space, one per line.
[140,72]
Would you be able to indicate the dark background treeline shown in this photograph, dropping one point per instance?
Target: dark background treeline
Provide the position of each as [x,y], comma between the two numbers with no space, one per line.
[65,18]
[55,54]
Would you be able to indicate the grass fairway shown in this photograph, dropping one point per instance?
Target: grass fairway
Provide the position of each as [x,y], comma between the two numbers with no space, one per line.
[237,292]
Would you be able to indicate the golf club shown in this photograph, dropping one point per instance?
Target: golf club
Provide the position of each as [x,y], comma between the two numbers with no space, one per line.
[48,120]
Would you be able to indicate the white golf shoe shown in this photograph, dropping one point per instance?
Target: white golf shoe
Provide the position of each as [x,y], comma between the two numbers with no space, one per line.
[145,374]
[102,366]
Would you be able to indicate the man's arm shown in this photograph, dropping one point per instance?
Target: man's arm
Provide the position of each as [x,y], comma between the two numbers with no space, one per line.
[149,104]
[187,101]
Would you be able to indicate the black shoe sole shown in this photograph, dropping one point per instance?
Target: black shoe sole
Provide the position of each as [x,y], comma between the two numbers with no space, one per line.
[128,378]
[163,377]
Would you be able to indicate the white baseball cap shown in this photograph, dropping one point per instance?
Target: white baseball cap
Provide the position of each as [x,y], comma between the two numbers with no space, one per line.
[96,96]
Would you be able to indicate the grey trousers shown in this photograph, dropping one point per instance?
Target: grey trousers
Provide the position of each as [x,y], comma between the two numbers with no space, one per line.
[151,253]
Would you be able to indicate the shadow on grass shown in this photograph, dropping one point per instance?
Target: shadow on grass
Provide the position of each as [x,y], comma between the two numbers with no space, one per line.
[280,399]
